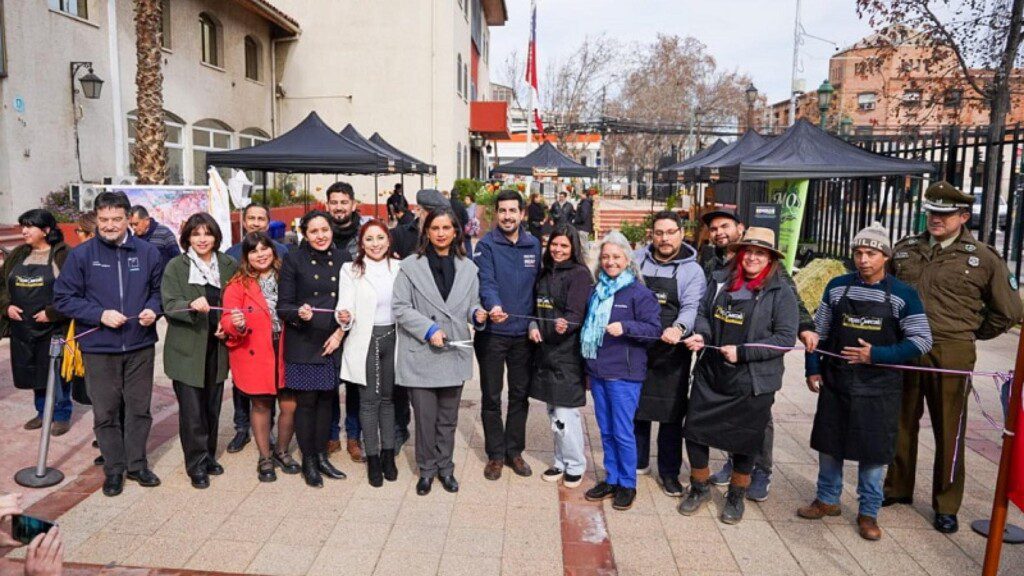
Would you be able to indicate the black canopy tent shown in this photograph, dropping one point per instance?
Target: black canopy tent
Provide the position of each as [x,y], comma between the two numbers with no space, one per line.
[709,165]
[395,163]
[806,151]
[548,159]
[416,166]
[697,157]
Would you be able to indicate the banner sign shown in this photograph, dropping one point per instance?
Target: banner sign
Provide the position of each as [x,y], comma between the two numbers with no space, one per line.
[792,196]
[169,205]
[545,172]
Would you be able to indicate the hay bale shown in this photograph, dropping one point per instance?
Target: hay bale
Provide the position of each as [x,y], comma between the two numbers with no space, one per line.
[812,279]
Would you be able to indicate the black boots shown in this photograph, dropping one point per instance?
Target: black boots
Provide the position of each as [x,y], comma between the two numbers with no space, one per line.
[311,471]
[374,471]
[387,462]
[732,512]
[699,493]
[328,469]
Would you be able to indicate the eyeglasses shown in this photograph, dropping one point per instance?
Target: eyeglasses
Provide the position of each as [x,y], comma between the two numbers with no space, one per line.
[663,233]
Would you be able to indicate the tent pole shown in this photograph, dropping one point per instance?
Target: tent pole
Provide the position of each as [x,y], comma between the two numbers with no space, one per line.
[265,186]
[375,198]
[421,188]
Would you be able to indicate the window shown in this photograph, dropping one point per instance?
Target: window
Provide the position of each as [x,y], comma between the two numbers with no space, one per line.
[165,24]
[174,146]
[458,74]
[252,58]
[953,98]
[208,136]
[3,51]
[465,81]
[458,160]
[246,139]
[465,161]
[79,8]
[209,33]
[866,100]
[911,97]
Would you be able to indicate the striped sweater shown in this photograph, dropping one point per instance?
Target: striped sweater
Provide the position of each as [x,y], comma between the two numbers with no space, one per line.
[906,307]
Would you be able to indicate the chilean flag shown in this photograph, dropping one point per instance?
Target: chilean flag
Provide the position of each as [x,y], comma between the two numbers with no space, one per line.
[531,66]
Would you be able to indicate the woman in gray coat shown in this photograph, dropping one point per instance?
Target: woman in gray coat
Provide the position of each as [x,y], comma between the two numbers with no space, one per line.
[436,296]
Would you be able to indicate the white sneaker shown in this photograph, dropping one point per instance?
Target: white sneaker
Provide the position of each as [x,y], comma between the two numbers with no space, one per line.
[552,475]
[570,481]
[643,471]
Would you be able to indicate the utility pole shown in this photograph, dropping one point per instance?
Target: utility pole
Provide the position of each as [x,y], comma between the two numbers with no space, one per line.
[796,65]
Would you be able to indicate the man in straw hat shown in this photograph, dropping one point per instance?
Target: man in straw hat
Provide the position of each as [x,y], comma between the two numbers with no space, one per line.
[968,295]
[868,317]
[724,232]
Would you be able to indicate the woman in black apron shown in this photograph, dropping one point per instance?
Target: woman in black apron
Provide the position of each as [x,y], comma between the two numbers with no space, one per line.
[734,385]
[26,299]
[563,289]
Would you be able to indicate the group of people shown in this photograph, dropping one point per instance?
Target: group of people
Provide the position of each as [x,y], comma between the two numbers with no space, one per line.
[398,314]
[540,220]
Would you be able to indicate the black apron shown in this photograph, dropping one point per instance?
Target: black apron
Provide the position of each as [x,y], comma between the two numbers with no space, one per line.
[724,412]
[31,289]
[663,396]
[558,363]
[858,405]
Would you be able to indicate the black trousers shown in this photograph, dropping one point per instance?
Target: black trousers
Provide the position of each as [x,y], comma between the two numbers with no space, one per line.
[313,420]
[403,414]
[699,455]
[494,353]
[198,421]
[670,446]
[121,388]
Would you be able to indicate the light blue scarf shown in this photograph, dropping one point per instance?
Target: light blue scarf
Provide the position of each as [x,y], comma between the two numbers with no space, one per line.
[600,310]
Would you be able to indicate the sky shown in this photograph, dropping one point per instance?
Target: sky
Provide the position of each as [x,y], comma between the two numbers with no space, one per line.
[754,37]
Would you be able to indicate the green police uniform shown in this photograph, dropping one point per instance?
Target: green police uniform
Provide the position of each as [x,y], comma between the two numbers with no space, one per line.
[968,295]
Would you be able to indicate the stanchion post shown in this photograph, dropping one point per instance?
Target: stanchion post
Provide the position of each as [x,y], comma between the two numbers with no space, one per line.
[41,476]
[999,503]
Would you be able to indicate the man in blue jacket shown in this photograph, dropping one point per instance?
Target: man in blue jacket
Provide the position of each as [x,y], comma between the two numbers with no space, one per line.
[508,259]
[146,228]
[111,283]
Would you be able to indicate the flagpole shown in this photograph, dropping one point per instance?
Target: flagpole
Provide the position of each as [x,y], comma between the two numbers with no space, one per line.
[997,524]
[531,70]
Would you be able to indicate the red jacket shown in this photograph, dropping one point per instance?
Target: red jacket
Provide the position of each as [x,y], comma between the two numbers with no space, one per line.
[251,353]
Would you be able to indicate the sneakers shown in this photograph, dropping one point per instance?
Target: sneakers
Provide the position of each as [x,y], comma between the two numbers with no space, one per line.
[601,491]
[699,493]
[671,487]
[623,499]
[552,475]
[760,482]
[817,510]
[732,512]
[572,481]
[723,476]
[643,471]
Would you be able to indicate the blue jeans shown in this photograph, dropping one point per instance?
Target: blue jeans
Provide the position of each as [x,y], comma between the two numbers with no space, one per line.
[61,402]
[869,484]
[353,430]
[615,403]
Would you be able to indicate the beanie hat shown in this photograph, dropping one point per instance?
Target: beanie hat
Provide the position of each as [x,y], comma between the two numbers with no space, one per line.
[430,200]
[874,236]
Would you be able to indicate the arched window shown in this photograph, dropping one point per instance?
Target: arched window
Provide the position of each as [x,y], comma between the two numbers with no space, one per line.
[208,136]
[174,146]
[209,32]
[252,58]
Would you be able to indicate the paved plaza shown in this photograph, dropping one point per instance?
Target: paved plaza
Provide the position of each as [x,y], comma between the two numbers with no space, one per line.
[512,526]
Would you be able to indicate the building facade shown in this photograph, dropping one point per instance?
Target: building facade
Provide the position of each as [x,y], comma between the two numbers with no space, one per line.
[235,73]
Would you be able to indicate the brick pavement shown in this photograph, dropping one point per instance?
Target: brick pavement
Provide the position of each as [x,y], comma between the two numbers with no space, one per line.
[513,526]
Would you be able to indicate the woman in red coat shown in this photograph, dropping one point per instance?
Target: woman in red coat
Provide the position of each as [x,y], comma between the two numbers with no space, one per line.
[254,334]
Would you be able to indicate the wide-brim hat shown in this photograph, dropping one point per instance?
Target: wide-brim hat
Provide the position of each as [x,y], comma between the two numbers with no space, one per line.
[943,197]
[757,237]
[730,213]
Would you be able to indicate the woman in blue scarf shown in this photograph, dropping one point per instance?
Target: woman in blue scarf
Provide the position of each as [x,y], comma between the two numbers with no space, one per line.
[622,320]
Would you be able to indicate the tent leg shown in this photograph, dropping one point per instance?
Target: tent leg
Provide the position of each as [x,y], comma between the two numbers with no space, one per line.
[375,197]
[421,181]
[265,186]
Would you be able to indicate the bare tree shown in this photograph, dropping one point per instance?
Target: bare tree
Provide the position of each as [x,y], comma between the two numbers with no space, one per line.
[666,82]
[977,40]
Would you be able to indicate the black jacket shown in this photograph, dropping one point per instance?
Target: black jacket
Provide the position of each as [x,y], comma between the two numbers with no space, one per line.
[584,219]
[405,235]
[309,276]
[558,376]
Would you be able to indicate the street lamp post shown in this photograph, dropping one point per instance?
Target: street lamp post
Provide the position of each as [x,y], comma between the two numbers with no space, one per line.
[824,101]
[751,94]
[92,85]
[846,127]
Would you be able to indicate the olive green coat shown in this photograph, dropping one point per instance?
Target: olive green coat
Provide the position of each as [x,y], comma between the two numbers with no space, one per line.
[185,342]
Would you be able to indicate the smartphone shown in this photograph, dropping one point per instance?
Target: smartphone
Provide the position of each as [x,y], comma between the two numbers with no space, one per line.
[25,528]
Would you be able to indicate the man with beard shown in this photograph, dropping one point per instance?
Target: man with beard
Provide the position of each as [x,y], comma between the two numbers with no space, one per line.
[255,218]
[508,259]
[345,223]
[670,270]
[724,229]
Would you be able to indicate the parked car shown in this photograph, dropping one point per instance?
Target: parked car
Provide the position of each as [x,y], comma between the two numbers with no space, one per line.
[976,211]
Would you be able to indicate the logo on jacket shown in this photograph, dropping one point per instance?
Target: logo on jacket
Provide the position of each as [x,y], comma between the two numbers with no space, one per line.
[98,264]
[133,264]
[729,316]
[872,323]
[530,260]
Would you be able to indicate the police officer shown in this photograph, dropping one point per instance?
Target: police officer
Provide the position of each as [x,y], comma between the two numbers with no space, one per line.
[670,270]
[867,318]
[724,230]
[968,295]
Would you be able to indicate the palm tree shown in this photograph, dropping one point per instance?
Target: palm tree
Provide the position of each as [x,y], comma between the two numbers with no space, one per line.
[151,133]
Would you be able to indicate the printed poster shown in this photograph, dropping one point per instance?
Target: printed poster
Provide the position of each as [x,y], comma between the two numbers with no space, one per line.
[792,196]
[169,205]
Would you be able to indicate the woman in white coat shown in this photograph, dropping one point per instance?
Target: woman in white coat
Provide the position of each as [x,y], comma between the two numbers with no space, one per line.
[368,358]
